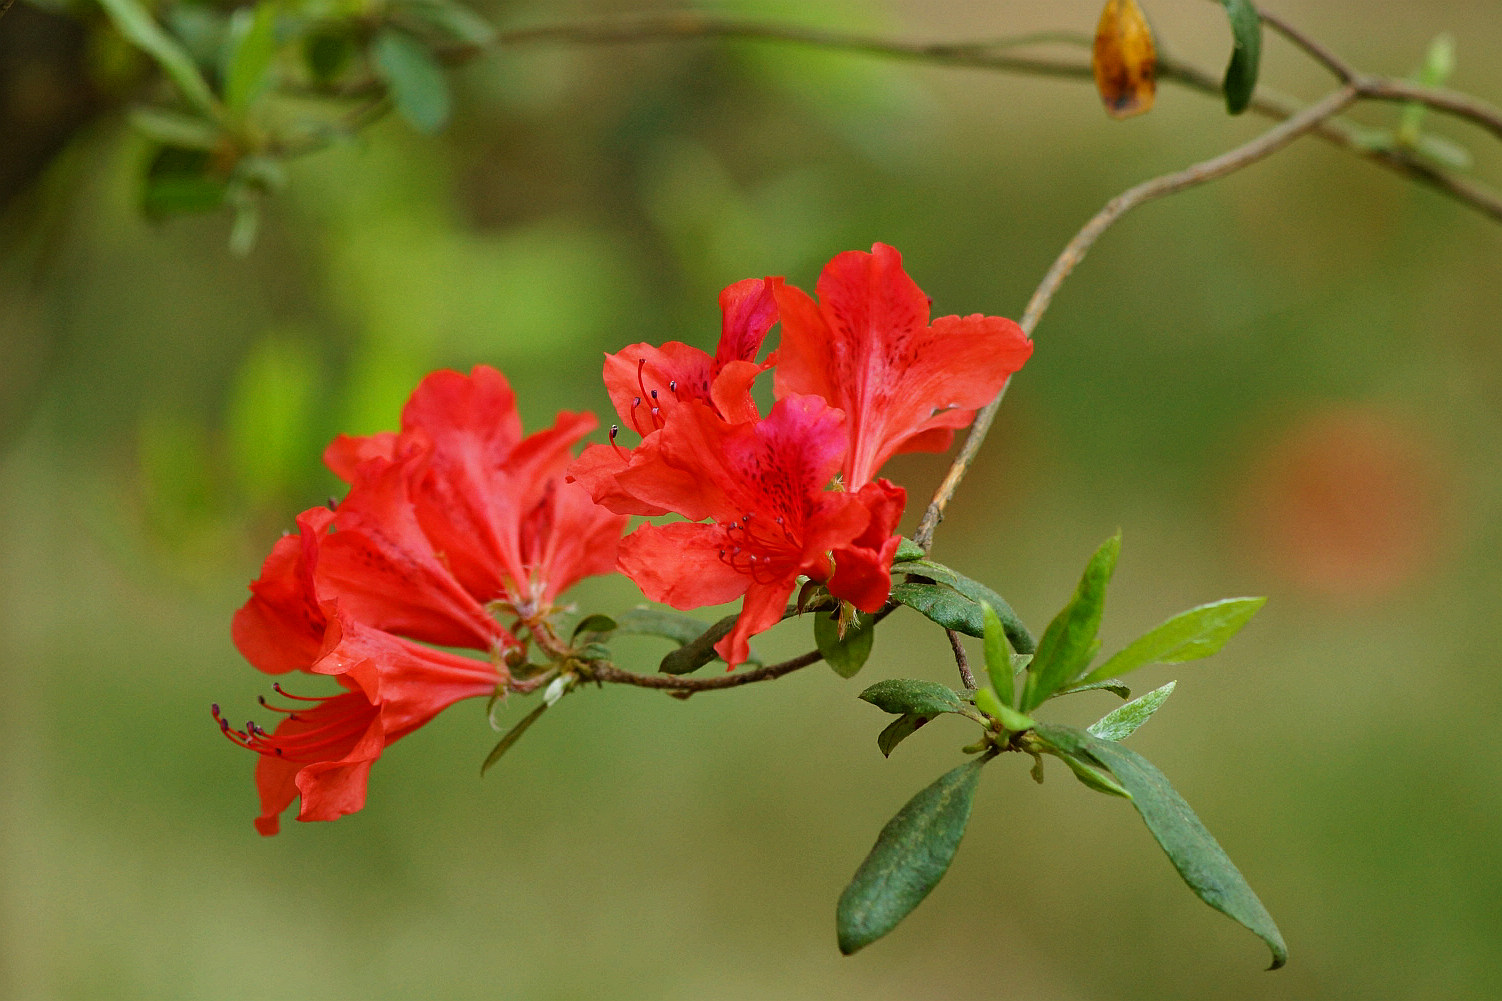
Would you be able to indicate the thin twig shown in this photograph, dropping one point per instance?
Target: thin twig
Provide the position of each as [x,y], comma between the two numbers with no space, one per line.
[678,25]
[610,674]
[5,6]
[1264,145]
[961,660]
[1473,109]
[993,55]
[1270,104]
[1322,55]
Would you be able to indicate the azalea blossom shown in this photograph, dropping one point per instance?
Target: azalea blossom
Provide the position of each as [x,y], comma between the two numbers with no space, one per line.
[449,524]
[763,486]
[867,347]
[647,384]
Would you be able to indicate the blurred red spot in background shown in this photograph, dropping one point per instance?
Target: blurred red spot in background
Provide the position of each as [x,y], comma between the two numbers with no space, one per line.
[1348,501]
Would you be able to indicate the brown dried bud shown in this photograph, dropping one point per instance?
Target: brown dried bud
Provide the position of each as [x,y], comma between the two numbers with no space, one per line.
[1126,60]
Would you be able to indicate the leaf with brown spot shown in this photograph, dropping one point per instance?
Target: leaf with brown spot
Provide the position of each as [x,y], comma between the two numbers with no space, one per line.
[1125,60]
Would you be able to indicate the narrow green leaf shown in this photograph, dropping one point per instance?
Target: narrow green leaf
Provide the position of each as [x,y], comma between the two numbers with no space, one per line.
[901,729]
[1439,63]
[1197,856]
[1114,687]
[911,855]
[246,227]
[1012,719]
[249,50]
[1092,777]
[910,695]
[597,625]
[138,26]
[987,702]
[1017,634]
[698,650]
[1246,54]
[174,128]
[1123,721]
[1070,639]
[998,656]
[180,181]
[907,549]
[513,735]
[1189,635]
[847,654]
[664,622]
[418,86]
[327,54]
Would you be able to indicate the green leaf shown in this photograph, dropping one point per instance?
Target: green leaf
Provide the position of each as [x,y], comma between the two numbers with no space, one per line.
[1246,37]
[513,735]
[998,656]
[1021,639]
[1439,63]
[698,650]
[1090,776]
[910,695]
[179,181]
[249,50]
[174,128]
[418,86]
[1121,722]
[1069,641]
[138,26]
[911,855]
[595,625]
[847,654]
[907,549]
[326,55]
[987,702]
[1189,635]
[1012,719]
[1197,856]
[943,604]
[664,622]
[901,729]
[1114,687]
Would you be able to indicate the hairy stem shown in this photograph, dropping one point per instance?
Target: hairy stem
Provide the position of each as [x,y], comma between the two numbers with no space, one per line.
[1074,251]
[961,660]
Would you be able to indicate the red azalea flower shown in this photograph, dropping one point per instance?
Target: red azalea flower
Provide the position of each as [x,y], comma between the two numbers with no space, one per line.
[448,521]
[763,484]
[323,748]
[491,501]
[868,348]
[647,384]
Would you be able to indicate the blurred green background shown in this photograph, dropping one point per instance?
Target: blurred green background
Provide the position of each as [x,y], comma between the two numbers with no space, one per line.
[1288,383]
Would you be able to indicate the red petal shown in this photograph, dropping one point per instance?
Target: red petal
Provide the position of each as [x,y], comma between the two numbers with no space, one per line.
[762,610]
[596,470]
[329,748]
[568,537]
[381,568]
[346,452]
[748,310]
[281,627]
[867,348]
[675,371]
[680,565]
